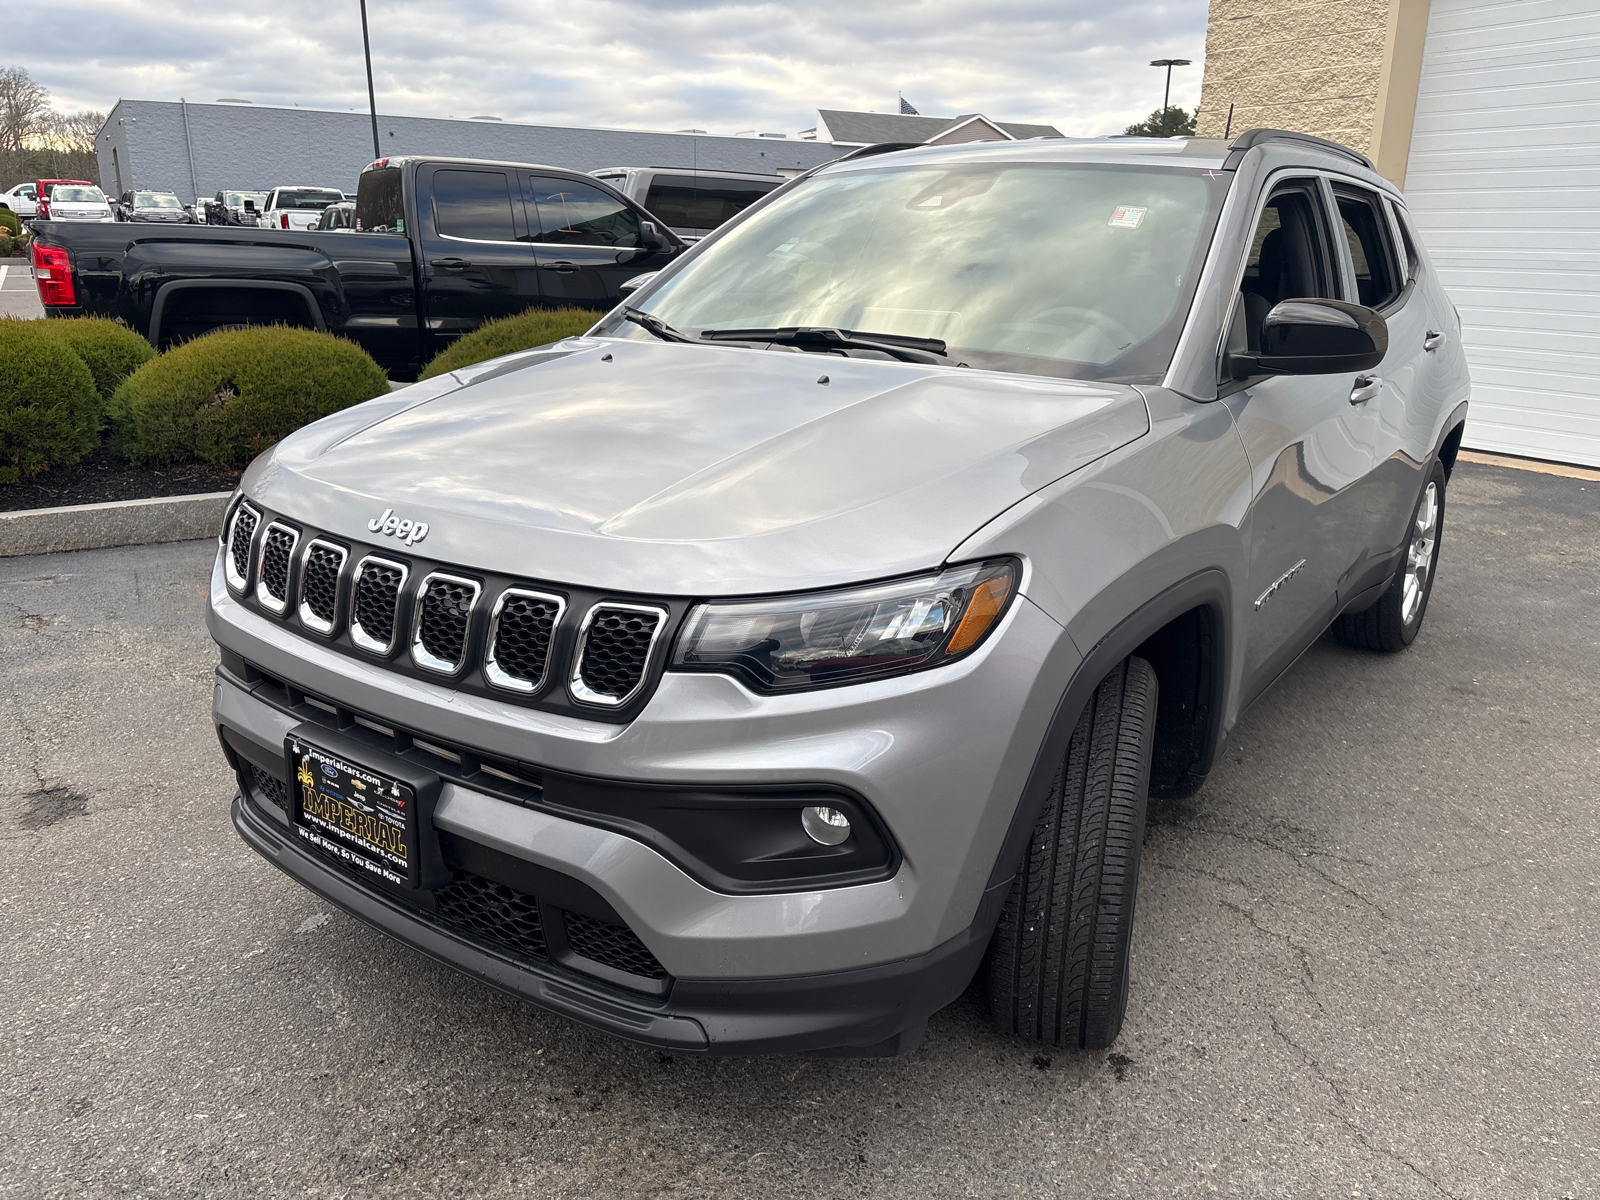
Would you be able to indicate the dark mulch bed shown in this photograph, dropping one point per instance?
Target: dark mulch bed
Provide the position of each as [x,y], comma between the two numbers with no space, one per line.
[104,475]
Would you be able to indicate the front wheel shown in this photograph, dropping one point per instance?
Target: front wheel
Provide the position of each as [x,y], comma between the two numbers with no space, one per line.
[1393,622]
[1058,965]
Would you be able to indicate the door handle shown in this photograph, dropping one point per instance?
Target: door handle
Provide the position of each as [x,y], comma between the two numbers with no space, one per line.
[1367,386]
[451,264]
[1432,340]
[561,268]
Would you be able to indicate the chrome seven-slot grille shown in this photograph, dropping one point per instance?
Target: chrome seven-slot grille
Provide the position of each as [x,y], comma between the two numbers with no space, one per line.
[615,640]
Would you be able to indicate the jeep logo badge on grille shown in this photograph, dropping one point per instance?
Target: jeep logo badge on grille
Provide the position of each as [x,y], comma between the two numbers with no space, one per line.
[409,532]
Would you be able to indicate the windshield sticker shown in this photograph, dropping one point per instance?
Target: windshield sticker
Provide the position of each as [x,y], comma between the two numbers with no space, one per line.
[1126,216]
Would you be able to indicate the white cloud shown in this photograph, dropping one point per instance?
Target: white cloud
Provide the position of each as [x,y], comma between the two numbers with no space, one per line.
[672,64]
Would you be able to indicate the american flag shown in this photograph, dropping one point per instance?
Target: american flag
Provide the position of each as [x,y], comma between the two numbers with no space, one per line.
[906,109]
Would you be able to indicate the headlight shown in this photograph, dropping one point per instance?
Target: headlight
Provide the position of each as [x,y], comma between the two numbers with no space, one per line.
[787,643]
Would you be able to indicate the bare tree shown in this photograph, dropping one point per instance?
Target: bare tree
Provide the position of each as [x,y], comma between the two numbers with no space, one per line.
[73,133]
[24,109]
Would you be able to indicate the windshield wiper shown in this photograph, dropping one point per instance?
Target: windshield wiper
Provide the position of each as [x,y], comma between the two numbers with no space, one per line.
[906,349]
[656,326]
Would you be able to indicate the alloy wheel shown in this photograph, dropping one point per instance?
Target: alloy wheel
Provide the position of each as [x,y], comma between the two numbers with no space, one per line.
[1419,557]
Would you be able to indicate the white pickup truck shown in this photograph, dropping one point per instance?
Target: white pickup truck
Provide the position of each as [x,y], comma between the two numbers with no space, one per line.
[298,207]
[22,201]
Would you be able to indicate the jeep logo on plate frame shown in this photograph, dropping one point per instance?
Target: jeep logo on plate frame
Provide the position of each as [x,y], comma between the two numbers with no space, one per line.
[409,532]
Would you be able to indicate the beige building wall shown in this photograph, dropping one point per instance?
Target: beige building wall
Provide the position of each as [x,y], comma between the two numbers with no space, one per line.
[1340,69]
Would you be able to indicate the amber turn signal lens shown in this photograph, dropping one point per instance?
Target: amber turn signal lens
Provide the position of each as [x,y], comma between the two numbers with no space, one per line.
[988,599]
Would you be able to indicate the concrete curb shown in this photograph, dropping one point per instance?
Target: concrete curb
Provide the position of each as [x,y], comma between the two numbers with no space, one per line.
[120,523]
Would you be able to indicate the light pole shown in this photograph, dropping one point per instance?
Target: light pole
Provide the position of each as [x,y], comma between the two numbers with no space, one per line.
[1166,96]
[372,98]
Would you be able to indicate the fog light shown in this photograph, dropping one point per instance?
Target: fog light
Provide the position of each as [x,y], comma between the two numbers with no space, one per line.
[823,824]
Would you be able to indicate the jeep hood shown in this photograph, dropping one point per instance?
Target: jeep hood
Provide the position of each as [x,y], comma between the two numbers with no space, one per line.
[674,469]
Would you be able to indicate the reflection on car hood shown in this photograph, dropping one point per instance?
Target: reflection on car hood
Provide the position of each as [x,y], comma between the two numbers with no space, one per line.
[685,469]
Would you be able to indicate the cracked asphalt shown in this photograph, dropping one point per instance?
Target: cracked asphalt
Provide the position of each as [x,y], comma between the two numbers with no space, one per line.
[1365,955]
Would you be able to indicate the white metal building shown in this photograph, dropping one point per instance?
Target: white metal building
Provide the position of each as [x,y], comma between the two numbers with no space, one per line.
[1504,182]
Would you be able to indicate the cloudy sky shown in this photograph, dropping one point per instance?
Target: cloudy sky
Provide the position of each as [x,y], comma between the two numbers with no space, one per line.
[663,64]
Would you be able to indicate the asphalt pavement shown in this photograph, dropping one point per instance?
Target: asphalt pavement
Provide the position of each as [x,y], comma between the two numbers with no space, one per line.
[1365,964]
[18,295]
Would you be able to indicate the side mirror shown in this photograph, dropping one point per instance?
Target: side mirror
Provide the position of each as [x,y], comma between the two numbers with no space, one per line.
[1315,337]
[249,206]
[650,236]
[629,286]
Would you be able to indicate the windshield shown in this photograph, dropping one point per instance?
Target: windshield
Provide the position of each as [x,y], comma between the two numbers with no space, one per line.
[167,201]
[314,199]
[237,199]
[77,195]
[1078,270]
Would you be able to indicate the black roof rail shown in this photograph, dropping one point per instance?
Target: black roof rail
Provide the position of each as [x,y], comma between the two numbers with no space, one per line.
[878,148]
[1255,137]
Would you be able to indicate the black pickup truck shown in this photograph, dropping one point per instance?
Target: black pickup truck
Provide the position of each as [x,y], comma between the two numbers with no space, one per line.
[441,245]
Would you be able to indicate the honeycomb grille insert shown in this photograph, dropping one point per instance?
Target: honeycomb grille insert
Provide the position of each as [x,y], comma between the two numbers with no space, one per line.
[494,913]
[519,642]
[615,653]
[244,532]
[319,585]
[444,615]
[277,551]
[269,787]
[614,946]
[377,596]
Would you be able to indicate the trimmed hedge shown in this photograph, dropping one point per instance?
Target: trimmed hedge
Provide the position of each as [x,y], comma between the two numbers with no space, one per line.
[49,409]
[227,396]
[11,221]
[111,351]
[536,327]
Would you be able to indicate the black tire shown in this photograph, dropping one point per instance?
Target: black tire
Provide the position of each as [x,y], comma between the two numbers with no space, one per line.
[1385,626]
[1058,965]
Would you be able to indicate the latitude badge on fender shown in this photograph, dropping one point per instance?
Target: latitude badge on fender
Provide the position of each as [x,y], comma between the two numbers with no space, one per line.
[407,531]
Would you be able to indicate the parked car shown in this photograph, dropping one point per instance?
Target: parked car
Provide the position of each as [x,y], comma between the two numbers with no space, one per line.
[754,672]
[690,203]
[161,208]
[335,217]
[297,207]
[72,200]
[21,200]
[235,208]
[489,240]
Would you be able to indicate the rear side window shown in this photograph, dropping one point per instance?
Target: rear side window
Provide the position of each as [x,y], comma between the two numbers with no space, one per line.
[1407,239]
[684,202]
[473,204]
[576,214]
[1366,229]
[379,203]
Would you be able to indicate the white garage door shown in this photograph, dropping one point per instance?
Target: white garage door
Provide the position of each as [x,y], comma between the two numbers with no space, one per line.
[1504,182]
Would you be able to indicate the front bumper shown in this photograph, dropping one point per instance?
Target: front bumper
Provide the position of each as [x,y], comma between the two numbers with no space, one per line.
[868,1012]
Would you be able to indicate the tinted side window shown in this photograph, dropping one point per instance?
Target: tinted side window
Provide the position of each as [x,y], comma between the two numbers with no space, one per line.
[575,214]
[473,204]
[1413,259]
[686,202]
[1366,228]
[1288,258]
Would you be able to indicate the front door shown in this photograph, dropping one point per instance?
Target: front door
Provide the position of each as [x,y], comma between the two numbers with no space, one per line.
[1309,459]
[477,263]
[588,242]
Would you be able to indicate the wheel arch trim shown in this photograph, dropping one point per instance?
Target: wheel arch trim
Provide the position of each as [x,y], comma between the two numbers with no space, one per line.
[1207,589]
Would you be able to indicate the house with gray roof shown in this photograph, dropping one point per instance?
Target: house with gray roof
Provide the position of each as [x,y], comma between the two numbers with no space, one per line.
[849,129]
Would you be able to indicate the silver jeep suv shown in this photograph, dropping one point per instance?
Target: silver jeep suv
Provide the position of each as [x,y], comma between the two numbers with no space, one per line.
[805,642]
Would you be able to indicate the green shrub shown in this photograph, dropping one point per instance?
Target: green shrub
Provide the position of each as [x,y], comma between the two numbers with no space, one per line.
[536,327]
[111,351]
[227,396]
[10,221]
[49,410]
